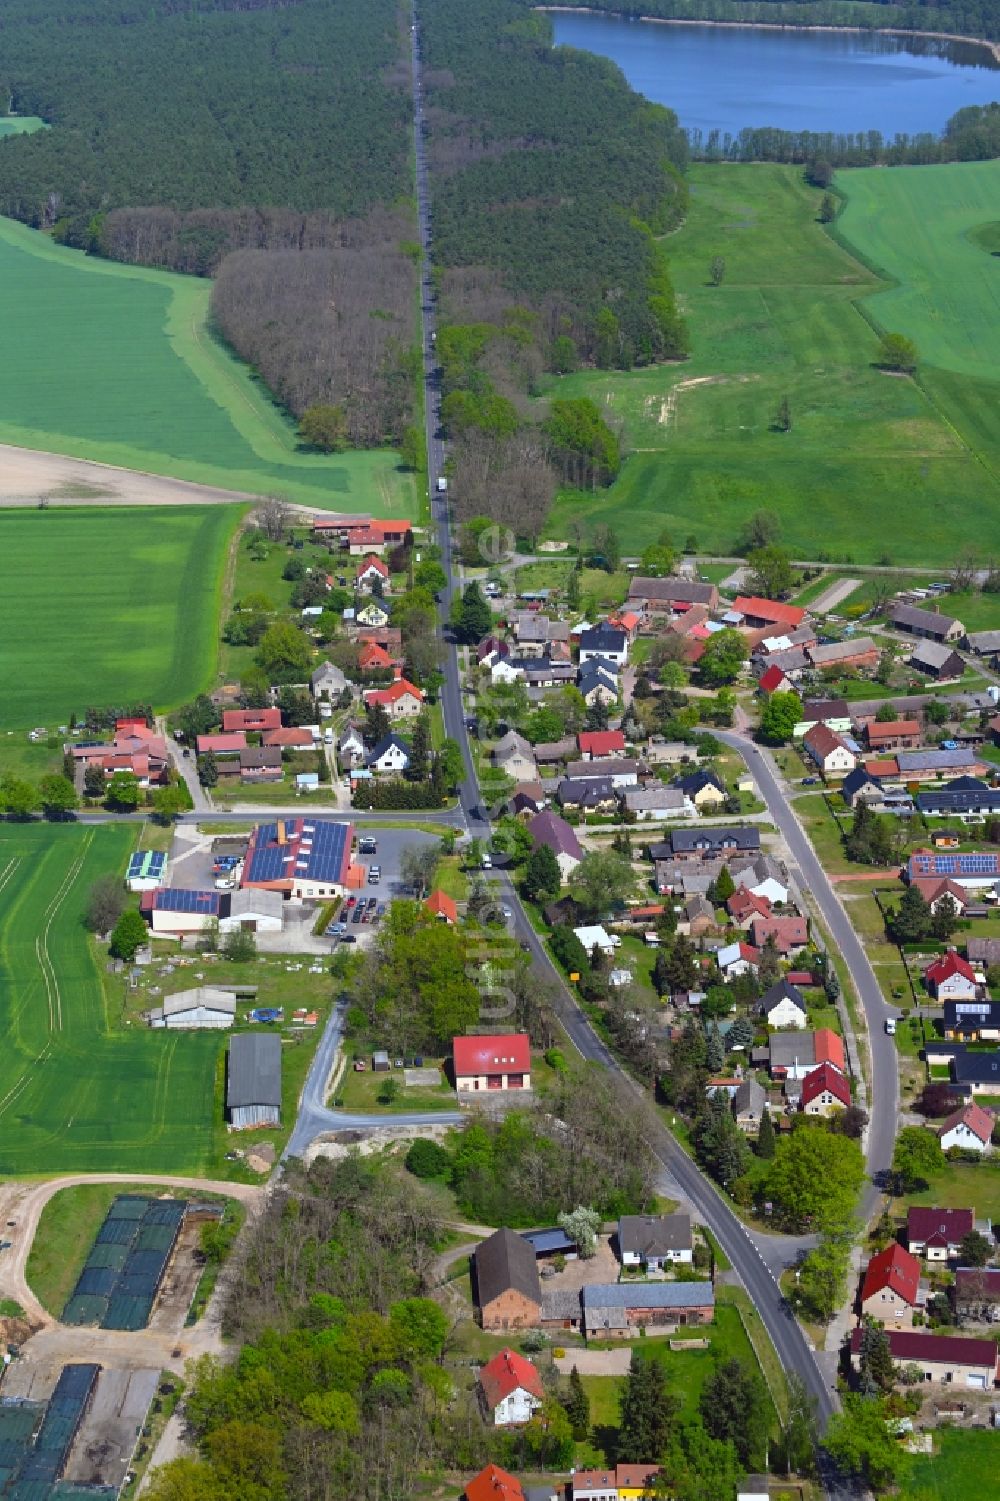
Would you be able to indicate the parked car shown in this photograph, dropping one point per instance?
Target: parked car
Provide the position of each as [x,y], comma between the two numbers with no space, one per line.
[374,874]
[367,845]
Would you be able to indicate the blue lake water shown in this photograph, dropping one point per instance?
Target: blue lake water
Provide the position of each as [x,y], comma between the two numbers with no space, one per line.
[725,78]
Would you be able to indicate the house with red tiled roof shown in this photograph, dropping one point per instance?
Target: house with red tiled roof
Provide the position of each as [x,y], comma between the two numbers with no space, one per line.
[492,1062]
[135,748]
[440,905]
[937,1234]
[376,536]
[743,906]
[894,734]
[510,1389]
[401,700]
[825,1090]
[289,737]
[493,1484]
[251,721]
[773,680]
[970,1129]
[374,658]
[222,745]
[597,745]
[951,978]
[945,1358]
[885,768]
[789,933]
[371,571]
[891,1289]
[933,890]
[759,613]
[830,751]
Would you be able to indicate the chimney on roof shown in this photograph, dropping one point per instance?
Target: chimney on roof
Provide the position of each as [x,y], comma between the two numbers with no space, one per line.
[397,673]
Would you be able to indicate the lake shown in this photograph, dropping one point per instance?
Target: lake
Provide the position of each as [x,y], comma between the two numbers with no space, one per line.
[725,78]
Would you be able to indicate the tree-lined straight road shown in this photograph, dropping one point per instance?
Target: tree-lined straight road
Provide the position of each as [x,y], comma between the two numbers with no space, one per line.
[795,1353]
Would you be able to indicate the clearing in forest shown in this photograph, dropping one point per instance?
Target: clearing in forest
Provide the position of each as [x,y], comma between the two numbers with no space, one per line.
[102,606]
[117,363]
[78,1093]
[863,452]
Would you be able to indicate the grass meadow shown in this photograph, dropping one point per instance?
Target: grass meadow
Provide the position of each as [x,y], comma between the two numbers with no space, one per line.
[77,1095]
[117,363]
[865,449]
[108,606]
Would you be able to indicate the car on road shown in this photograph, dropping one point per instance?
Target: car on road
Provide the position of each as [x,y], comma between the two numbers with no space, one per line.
[810,781]
[890,1026]
[487,861]
[507,914]
[374,874]
[367,845]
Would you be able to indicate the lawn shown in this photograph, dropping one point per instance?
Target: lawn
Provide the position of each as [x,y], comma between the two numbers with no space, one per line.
[964,1185]
[117,363]
[102,606]
[76,1093]
[962,1468]
[785,323]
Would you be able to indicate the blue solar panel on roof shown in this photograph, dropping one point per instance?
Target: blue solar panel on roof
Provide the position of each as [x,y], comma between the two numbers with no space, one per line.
[175,899]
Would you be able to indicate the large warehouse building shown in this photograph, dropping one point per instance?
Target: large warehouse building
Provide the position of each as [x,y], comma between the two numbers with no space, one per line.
[304,858]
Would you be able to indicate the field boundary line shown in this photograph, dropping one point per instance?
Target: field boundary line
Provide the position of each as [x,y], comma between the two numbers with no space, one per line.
[42,940]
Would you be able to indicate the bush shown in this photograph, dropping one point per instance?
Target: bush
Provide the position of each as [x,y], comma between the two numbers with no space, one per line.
[428,1159]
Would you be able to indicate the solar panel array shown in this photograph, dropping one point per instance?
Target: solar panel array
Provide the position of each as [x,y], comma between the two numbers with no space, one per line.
[146,863]
[177,899]
[123,1271]
[312,848]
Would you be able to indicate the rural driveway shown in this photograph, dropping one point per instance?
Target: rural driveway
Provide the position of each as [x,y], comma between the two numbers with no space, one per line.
[833,594]
[21,1206]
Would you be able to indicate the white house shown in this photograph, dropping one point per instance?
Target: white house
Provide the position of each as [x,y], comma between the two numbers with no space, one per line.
[654,1241]
[510,1389]
[328,681]
[652,804]
[829,751]
[502,670]
[970,1128]
[772,889]
[391,756]
[603,641]
[598,938]
[736,959]
[783,1006]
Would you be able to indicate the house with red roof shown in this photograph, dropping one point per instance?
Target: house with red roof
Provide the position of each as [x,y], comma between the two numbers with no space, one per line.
[493,1484]
[945,1358]
[893,734]
[439,904]
[510,1389]
[598,745]
[401,700]
[377,536]
[829,751]
[825,1090]
[374,658]
[744,905]
[135,748]
[937,1234]
[251,721]
[627,621]
[289,737]
[969,1128]
[222,745]
[773,680]
[891,1289]
[951,978]
[371,571]
[494,1061]
[758,613]
[789,933]
[933,890]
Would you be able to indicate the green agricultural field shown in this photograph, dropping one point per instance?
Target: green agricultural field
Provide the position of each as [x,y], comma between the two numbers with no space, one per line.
[117,363]
[25,125]
[105,606]
[865,449]
[77,1095]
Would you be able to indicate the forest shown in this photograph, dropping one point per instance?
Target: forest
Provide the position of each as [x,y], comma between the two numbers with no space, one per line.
[973,18]
[551,180]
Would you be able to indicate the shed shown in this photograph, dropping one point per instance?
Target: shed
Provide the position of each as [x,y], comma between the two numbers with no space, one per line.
[253,1080]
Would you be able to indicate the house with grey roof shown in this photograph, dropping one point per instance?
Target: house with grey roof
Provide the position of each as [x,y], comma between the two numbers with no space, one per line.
[656,802]
[930,624]
[654,1241]
[512,755]
[748,1105]
[508,1292]
[983,643]
[623,1308]
[548,828]
[937,660]
[328,681]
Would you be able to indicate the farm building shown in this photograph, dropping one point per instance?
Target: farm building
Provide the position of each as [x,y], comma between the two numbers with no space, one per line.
[186,1010]
[492,1062]
[147,870]
[929,624]
[299,857]
[624,1307]
[943,1358]
[253,911]
[253,1080]
[173,911]
[508,1292]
